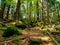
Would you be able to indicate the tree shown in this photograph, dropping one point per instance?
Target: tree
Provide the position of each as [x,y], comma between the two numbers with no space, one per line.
[8,11]
[44,9]
[3,8]
[17,13]
[9,3]
[37,9]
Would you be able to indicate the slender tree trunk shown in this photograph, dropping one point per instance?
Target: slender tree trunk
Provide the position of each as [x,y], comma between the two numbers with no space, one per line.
[30,11]
[2,9]
[27,12]
[12,12]
[58,14]
[44,9]
[17,13]
[48,17]
[8,12]
[37,7]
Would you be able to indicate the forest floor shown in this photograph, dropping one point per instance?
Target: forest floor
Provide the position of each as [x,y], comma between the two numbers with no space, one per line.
[34,33]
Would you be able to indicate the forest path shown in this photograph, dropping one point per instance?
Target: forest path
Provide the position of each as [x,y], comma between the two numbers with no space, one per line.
[37,34]
[34,33]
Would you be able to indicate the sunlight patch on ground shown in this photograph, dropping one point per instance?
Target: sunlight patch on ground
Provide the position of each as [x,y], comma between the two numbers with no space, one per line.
[46,38]
[13,22]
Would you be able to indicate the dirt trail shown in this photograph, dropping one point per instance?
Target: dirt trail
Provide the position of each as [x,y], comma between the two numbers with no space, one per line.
[31,33]
[37,34]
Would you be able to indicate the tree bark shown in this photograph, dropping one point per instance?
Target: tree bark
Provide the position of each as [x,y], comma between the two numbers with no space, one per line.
[44,11]
[2,10]
[8,12]
[30,11]
[37,7]
[17,13]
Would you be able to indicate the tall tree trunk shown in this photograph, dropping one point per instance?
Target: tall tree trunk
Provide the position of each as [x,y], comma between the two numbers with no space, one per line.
[12,12]
[47,12]
[58,14]
[17,10]
[8,12]
[27,12]
[37,7]
[30,11]
[2,9]
[44,9]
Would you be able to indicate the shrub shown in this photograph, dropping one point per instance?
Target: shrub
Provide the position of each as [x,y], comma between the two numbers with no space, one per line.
[0,25]
[28,23]
[22,26]
[44,31]
[57,28]
[39,24]
[11,30]
[25,22]
[16,39]
[58,40]
[32,24]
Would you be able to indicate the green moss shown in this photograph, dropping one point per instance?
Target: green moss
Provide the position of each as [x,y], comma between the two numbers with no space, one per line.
[16,39]
[44,31]
[58,40]
[35,41]
[11,30]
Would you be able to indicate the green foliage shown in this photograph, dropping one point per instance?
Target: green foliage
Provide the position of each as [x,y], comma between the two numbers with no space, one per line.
[10,2]
[31,9]
[39,24]
[57,28]
[35,41]
[16,39]
[11,30]
[58,40]
[25,24]
[22,25]
[44,30]
[0,25]
[32,24]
